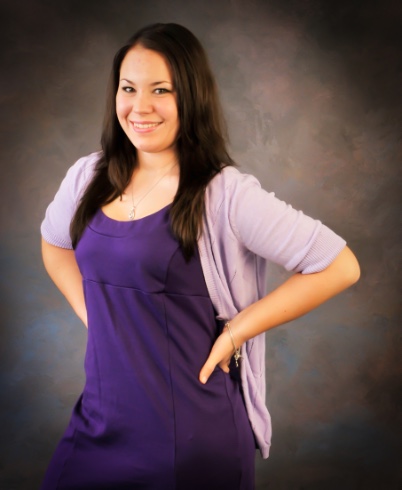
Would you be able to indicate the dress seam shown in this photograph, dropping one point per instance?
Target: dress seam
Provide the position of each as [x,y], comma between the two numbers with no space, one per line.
[93,281]
[227,379]
[168,267]
[172,393]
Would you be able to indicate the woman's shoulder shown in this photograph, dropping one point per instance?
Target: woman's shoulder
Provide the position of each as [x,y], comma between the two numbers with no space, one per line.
[88,161]
[56,225]
[230,183]
[81,172]
[226,191]
[232,176]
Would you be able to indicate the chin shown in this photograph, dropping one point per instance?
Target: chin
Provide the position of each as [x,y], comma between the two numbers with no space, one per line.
[151,148]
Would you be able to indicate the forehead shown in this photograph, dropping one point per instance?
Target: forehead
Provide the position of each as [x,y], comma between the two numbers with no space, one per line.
[142,63]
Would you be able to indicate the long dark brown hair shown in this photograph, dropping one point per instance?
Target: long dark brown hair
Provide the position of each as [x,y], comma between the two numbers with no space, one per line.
[200,142]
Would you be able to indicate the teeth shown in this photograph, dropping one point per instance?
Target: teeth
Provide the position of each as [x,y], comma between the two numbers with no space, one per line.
[145,126]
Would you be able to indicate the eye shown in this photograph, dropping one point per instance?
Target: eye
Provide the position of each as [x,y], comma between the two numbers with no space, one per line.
[128,90]
[161,91]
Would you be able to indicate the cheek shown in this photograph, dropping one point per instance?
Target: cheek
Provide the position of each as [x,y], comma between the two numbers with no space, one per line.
[122,107]
[172,114]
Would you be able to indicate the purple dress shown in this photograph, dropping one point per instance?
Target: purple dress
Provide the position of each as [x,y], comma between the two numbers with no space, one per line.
[144,421]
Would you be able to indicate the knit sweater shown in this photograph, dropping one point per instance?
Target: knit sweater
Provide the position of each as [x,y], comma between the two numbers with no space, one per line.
[244,227]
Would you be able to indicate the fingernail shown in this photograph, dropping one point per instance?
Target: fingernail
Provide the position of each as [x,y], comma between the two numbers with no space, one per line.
[203,379]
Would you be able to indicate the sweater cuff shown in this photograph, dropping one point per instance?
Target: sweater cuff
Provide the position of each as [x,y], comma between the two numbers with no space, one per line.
[327,246]
[52,239]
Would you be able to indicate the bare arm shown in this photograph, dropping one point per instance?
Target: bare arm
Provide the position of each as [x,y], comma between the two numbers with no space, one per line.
[298,295]
[62,267]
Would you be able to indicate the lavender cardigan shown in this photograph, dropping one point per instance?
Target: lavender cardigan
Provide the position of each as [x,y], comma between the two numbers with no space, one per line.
[244,227]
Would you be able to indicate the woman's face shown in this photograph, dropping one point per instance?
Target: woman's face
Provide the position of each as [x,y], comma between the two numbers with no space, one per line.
[146,105]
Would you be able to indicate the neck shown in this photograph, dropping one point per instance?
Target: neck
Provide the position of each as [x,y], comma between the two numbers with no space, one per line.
[156,162]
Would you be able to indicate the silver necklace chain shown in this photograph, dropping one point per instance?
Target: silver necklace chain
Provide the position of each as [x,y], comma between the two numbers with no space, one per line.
[131,214]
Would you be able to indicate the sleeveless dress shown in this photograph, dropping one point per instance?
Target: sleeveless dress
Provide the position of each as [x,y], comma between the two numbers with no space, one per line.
[144,420]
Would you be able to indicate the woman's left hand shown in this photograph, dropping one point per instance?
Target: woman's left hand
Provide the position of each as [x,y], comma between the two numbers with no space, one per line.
[295,297]
[220,355]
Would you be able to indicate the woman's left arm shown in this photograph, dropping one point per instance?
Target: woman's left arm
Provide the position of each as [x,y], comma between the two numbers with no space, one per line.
[297,296]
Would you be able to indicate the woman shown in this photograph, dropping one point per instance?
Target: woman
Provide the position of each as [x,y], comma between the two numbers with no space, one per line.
[160,245]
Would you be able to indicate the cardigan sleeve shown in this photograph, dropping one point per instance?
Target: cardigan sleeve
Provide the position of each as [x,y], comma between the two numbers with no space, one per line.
[55,228]
[277,232]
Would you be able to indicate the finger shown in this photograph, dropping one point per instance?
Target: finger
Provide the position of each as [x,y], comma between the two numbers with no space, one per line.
[210,365]
[207,370]
[224,365]
[220,354]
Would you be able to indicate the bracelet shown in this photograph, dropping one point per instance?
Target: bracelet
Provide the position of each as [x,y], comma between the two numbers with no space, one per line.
[237,356]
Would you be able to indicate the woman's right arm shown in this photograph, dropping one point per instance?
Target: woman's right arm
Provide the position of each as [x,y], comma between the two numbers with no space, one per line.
[62,267]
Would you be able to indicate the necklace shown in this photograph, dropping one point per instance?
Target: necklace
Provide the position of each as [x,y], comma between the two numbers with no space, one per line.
[131,214]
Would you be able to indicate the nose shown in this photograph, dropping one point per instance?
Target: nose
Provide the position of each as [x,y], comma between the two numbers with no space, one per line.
[142,103]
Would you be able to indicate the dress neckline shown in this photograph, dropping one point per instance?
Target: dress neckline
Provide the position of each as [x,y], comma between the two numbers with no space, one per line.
[108,218]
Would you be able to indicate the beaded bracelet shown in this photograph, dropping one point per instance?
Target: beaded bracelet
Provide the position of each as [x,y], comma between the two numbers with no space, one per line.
[237,356]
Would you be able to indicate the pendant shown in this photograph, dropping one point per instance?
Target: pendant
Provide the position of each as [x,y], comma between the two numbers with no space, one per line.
[131,214]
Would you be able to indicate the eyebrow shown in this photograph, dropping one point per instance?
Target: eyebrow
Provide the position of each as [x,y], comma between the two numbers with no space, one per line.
[152,84]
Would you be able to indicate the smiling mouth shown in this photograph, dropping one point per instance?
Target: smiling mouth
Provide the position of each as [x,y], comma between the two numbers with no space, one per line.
[145,125]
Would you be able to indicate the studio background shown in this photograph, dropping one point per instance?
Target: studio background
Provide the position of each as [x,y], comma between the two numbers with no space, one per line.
[311,91]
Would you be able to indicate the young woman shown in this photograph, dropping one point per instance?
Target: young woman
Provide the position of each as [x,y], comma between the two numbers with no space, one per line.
[160,246]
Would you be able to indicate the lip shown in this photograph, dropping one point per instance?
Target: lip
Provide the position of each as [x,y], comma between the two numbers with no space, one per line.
[145,126]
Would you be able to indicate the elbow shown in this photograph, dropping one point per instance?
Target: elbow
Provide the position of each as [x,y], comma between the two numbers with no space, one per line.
[354,274]
[351,267]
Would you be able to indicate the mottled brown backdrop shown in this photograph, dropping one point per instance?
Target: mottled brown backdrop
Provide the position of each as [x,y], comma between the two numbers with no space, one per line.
[311,90]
